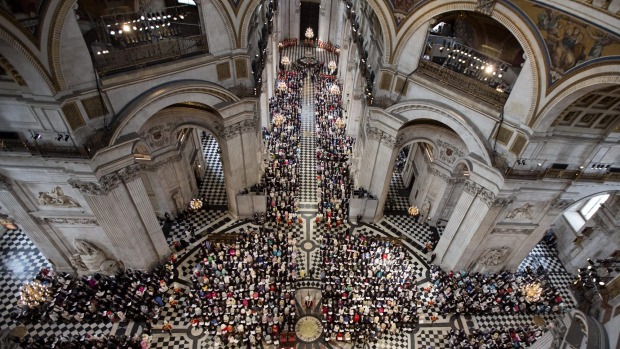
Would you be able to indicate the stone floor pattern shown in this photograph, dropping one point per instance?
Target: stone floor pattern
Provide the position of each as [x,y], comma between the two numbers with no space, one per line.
[20,260]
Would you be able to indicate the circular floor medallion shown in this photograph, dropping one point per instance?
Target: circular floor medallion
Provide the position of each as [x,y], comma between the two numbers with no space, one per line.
[308,245]
[308,329]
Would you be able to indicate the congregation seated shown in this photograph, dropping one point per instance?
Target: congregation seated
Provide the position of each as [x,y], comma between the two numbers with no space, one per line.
[128,295]
[500,293]
[368,287]
[519,337]
[333,150]
[281,179]
[82,342]
[243,292]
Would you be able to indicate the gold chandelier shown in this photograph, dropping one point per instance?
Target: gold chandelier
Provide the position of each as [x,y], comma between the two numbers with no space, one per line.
[309,33]
[277,119]
[282,86]
[335,90]
[339,123]
[286,61]
[413,211]
[34,294]
[532,292]
[332,65]
[195,204]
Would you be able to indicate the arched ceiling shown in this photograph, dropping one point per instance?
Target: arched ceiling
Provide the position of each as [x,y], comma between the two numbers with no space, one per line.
[597,110]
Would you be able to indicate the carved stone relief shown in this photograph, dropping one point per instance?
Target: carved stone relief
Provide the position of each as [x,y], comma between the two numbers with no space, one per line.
[503,202]
[385,138]
[448,153]
[494,256]
[83,221]
[157,135]
[91,259]
[525,212]
[485,6]
[56,198]
[512,230]
[232,131]
[560,204]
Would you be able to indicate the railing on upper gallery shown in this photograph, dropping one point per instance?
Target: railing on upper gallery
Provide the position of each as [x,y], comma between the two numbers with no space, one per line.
[144,55]
[551,173]
[463,83]
[44,150]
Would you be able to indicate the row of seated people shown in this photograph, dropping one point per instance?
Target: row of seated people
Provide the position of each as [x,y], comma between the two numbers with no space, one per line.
[243,290]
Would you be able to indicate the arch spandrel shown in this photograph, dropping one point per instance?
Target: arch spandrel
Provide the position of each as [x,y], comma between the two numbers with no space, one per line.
[141,109]
[424,110]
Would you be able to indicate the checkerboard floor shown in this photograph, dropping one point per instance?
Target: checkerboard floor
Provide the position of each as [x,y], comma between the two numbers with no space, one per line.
[307,175]
[432,338]
[213,185]
[395,194]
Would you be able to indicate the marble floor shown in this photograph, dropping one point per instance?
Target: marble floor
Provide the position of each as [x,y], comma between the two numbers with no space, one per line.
[20,260]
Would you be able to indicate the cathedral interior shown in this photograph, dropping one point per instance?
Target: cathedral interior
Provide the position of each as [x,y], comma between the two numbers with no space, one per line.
[310,174]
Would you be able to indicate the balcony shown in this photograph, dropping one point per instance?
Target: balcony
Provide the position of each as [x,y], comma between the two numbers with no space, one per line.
[575,175]
[168,49]
[463,83]
[44,150]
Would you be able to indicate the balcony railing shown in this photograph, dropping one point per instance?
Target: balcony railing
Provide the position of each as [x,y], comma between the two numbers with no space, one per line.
[44,150]
[144,55]
[463,83]
[575,175]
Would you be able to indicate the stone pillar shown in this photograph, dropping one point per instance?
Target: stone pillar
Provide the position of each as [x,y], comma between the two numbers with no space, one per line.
[485,228]
[375,168]
[121,205]
[45,239]
[244,162]
[466,218]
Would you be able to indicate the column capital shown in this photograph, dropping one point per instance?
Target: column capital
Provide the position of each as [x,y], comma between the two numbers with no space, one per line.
[485,194]
[503,202]
[381,136]
[231,131]
[109,181]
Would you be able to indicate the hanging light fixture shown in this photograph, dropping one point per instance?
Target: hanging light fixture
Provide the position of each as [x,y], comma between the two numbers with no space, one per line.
[335,90]
[309,33]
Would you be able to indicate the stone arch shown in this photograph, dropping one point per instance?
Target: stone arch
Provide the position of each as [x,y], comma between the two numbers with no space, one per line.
[142,108]
[504,15]
[21,55]
[429,110]
[571,90]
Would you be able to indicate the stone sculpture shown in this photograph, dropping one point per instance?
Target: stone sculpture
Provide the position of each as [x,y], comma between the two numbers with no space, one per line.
[57,198]
[91,259]
[494,257]
[524,212]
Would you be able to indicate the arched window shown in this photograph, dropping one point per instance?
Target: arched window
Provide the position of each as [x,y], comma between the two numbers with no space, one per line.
[591,206]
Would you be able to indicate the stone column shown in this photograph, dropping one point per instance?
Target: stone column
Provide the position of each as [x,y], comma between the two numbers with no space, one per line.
[376,166]
[46,241]
[485,228]
[243,161]
[121,205]
[466,218]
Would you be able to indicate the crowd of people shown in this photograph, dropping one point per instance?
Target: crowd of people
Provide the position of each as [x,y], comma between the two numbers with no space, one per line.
[334,148]
[513,338]
[243,291]
[499,293]
[368,287]
[282,171]
[87,342]
[128,295]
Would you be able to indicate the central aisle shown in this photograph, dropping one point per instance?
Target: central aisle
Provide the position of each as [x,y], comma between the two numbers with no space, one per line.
[308,150]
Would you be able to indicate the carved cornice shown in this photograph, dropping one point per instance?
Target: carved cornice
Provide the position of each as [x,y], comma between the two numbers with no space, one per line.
[484,194]
[234,130]
[383,137]
[112,180]
[560,204]
[448,153]
[503,202]
[161,164]
[83,221]
[88,188]
[435,172]
[130,172]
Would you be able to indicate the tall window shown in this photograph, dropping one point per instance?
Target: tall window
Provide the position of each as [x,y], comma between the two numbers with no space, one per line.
[589,208]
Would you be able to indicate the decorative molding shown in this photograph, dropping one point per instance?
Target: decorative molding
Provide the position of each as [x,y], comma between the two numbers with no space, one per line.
[448,153]
[485,7]
[161,164]
[524,212]
[560,204]
[10,69]
[83,221]
[234,130]
[158,135]
[130,172]
[485,195]
[601,225]
[514,231]
[381,136]
[88,188]
[435,172]
[503,202]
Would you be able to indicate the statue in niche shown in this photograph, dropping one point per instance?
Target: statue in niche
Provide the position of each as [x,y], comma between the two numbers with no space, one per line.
[91,259]
[425,211]
[57,198]
[524,212]
[178,200]
[494,257]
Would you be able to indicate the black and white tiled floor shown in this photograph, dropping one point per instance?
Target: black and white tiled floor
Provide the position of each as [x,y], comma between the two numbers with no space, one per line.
[397,200]
[20,260]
